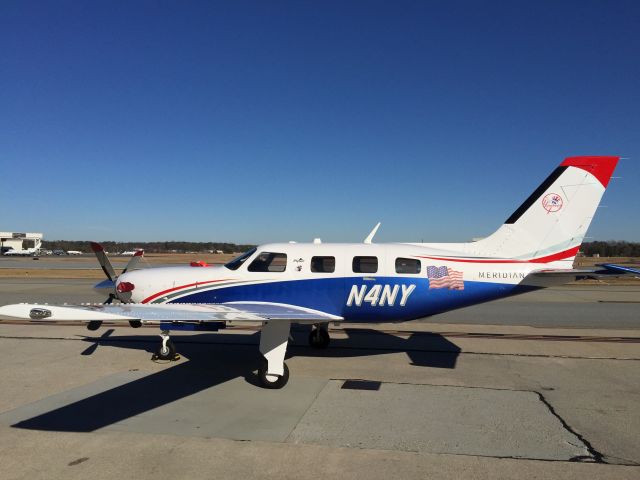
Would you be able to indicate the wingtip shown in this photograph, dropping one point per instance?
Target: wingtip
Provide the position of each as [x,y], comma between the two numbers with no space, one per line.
[139,253]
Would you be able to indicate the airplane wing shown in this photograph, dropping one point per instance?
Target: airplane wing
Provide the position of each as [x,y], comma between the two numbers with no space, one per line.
[126,312]
[545,278]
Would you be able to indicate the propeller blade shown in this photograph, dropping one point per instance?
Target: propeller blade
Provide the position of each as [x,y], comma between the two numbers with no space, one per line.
[105,287]
[104,262]
[134,261]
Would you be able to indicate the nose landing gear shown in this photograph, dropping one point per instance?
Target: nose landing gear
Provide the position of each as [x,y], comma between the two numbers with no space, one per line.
[167,350]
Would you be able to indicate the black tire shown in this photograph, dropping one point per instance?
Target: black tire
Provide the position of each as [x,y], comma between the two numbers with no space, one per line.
[319,338]
[268,383]
[168,353]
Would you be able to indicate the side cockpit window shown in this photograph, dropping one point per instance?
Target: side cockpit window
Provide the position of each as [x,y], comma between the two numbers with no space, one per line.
[323,264]
[365,264]
[238,261]
[269,262]
[407,265]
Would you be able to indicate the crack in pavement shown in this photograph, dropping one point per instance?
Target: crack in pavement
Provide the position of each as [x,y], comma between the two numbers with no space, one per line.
[594,455]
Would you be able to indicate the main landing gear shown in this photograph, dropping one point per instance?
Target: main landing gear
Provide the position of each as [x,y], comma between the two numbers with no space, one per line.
[167,350]
[271,380]
[319,336]
[274,336]
[274,373]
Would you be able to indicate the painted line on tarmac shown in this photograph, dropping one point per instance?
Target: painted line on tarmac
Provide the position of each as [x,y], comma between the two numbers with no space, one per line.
[367,332]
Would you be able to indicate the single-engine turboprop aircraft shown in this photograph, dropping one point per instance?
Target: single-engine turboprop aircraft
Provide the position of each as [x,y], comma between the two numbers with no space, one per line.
[318,283]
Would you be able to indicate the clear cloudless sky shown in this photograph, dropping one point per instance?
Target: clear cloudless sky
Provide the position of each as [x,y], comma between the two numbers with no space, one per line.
[267,121]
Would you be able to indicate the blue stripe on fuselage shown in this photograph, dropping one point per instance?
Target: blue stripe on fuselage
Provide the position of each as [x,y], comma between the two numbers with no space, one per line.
[330,295]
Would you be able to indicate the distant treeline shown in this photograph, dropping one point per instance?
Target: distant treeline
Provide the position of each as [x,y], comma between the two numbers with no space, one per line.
[148,247]
[605,249]
[611,249]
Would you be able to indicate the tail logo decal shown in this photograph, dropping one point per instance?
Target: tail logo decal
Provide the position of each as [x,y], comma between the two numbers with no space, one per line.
[552,202]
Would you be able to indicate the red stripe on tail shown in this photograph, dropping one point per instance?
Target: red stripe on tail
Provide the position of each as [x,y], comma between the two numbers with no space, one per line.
[600,167]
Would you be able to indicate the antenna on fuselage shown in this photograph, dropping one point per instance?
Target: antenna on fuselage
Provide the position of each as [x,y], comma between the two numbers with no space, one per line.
[372,234]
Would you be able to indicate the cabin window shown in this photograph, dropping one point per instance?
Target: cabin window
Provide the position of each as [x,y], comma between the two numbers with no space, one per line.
[407,265]
[323,264]
[269,262]
[238,261]
[365,264]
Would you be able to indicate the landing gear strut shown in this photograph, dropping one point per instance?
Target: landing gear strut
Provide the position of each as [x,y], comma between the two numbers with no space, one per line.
[167,350]
[319,336]
[274,336]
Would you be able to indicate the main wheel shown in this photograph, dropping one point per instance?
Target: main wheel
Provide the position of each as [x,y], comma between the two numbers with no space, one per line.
[167,351]
[273,381]
[319,338]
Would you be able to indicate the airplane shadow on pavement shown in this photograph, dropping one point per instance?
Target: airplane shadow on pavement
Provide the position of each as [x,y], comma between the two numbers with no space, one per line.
[215,359]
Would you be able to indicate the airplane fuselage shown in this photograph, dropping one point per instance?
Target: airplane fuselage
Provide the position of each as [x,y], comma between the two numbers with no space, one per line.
[20,253]
[359,282]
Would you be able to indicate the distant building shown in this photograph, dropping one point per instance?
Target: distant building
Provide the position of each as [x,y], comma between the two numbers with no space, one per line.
[20,241]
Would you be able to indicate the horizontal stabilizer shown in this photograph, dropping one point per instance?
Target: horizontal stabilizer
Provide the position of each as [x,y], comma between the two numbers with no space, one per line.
[546,278]
[620,269]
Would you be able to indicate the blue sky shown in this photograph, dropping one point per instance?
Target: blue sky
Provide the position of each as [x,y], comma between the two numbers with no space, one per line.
[274,121]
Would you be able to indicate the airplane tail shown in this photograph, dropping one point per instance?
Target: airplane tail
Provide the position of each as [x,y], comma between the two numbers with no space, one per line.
[550,225]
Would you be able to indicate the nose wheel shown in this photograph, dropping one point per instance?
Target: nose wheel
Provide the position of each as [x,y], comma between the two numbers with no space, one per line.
[167,350]
[319,337]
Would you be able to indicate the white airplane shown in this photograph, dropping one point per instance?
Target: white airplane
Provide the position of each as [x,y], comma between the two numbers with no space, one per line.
[74,252]
[318,283]
[20,253]
[130,253]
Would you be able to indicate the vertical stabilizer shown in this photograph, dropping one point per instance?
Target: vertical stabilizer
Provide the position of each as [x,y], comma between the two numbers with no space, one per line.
[551,223]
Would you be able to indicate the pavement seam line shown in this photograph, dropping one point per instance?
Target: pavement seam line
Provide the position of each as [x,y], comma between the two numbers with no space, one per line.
[397,350]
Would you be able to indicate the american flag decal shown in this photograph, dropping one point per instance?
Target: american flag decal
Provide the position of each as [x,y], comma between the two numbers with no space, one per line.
[444,277]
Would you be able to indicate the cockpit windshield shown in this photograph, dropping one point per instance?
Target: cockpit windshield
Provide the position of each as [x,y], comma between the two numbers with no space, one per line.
[238,261]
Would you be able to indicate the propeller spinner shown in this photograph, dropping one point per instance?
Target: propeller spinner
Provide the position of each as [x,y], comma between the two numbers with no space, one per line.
[123,290]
